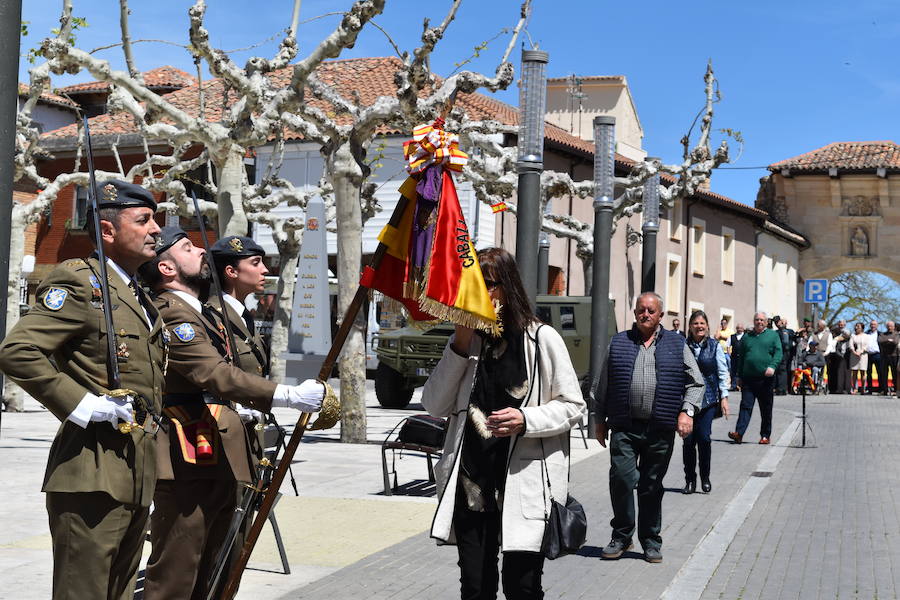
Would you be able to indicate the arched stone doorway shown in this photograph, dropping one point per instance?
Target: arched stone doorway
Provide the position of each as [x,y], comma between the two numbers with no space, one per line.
[845,199]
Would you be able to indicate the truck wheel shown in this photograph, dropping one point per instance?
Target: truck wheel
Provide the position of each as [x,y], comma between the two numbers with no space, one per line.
[391,388]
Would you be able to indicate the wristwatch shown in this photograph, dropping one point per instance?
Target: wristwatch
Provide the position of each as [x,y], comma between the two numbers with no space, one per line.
[689,410]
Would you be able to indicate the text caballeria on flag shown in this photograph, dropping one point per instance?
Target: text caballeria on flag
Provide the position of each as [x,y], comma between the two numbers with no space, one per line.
[430,266]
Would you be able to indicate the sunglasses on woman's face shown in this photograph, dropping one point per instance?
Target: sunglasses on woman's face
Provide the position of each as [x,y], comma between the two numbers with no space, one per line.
[491,284]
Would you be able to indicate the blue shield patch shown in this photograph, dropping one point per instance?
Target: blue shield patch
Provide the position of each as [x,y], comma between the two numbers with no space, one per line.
[184,332]
[95,283]
[55,298]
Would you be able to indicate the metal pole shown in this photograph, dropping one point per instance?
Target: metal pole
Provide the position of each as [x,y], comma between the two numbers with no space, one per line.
[532,105]
[649,229]
[604,184]
[10,32]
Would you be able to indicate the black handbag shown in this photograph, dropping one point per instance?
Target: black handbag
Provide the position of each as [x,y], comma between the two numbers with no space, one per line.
[423,430]
[565,528]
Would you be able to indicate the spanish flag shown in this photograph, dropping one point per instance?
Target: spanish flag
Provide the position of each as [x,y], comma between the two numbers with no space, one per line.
[430,265]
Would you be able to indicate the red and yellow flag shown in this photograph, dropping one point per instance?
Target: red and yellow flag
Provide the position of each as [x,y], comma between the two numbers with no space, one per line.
[430,265]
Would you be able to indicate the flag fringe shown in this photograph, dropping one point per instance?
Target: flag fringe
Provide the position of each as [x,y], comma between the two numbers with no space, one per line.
[457,315]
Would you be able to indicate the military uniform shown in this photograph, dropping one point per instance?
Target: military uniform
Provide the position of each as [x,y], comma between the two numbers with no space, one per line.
[204,454]
[99,482]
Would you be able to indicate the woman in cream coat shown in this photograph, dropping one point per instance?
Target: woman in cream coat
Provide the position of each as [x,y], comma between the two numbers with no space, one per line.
[492,485]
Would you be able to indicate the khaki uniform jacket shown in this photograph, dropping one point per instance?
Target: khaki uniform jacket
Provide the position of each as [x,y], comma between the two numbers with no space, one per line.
[197,366]
[251,349]
[57,353]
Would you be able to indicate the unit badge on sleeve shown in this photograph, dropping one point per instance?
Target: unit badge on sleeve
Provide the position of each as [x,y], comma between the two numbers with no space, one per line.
[55,298]
[184,332]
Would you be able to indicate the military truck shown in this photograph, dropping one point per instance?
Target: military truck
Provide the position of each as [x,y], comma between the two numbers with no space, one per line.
[407,356]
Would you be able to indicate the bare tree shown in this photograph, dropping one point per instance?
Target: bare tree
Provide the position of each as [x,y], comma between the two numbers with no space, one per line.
[261,101]
[492,172]
[858,297]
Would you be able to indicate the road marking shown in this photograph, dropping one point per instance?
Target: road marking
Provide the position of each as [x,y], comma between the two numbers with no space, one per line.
[691,580]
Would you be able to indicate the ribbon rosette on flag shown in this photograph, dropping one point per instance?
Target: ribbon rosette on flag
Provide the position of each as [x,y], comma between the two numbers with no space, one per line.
[430,266]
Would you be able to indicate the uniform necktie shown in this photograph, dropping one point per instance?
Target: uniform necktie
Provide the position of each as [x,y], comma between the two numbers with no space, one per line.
[142,299]
[248,319]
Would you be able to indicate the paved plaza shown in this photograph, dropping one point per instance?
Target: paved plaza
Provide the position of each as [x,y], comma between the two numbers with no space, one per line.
[781,521]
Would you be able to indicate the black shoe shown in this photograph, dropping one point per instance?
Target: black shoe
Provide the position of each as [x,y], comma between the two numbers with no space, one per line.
[690,486]
[705,485]
[616,548]
[652,555]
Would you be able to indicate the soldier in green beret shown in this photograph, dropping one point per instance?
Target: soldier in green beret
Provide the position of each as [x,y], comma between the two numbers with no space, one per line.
[99,481]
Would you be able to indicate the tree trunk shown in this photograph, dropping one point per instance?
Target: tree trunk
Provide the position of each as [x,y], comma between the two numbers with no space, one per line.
[232,219]
[346,179]
[13,396]
[289,253]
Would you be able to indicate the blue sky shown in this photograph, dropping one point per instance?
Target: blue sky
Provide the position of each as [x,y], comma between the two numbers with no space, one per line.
[794,75]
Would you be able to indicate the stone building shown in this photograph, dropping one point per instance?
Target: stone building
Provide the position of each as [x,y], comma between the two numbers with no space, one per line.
[845,199]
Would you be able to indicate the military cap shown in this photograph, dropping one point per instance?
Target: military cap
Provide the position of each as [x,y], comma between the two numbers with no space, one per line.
[168,236]
[236,246]
[115,193]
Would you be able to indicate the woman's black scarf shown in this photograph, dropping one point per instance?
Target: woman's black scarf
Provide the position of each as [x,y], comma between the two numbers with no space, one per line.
[501,381]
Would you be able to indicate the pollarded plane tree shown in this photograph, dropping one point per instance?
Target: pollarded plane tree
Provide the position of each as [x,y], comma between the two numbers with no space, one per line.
[260,103]
[492,172]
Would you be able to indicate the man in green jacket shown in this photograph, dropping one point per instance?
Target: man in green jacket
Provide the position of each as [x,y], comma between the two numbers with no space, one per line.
[760,355]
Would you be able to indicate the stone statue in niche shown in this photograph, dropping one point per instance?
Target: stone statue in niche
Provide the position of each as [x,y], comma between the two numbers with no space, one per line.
[860,206]
[859,242]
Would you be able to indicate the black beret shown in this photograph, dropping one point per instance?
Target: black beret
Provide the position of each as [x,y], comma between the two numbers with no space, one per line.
[167,238]
[236,246]
[115,193]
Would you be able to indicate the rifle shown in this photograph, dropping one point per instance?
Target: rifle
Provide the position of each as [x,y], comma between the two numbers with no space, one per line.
[112,361]
[229,332]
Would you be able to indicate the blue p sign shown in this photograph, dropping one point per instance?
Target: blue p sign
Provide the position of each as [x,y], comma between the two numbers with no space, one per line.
[815,290]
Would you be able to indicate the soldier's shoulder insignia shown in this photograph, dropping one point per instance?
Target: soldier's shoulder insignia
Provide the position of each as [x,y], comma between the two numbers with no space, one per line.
[55,298]
[95,283]
[75,263]
[184,332]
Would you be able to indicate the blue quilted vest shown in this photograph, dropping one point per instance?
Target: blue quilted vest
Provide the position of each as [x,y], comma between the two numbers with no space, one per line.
[706,360]
[670,378]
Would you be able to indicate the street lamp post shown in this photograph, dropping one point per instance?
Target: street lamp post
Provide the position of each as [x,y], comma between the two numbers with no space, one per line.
[532,105]
[649,230]
[10,33]
[604,186]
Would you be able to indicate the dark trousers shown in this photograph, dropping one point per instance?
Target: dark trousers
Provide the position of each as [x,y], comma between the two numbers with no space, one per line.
[873,364]
[97,545]
[187,528]
[699,443]
[757,389]
[478,543]
[890,364]
[781,376]
[838,374]
[628,448]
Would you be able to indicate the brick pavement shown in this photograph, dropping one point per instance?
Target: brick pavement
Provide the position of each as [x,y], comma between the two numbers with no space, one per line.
[418,568]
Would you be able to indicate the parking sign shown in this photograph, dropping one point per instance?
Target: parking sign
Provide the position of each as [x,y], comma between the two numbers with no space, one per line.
[815,290]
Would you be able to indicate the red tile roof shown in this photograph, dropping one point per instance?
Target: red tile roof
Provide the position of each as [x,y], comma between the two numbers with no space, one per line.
[367,79]
[49,98]
[364,78]
[160,78]
[587,78]
[864,156]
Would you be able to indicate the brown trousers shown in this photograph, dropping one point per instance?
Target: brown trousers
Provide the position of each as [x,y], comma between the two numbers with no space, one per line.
[97,545]
[187,528]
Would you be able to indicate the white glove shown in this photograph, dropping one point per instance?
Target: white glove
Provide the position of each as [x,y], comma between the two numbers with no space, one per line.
[306,397]
[248,415]
[101,409]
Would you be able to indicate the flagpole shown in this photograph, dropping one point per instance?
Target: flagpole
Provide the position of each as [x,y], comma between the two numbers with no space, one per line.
[271,493]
